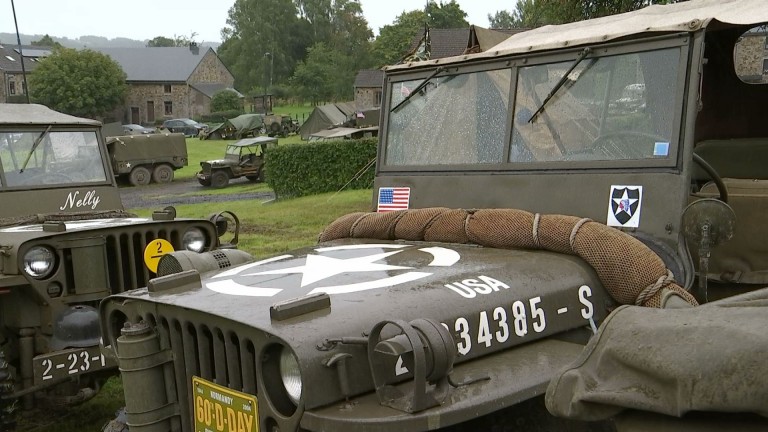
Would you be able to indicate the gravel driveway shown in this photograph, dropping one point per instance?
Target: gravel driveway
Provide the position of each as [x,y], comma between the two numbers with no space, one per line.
[180,192]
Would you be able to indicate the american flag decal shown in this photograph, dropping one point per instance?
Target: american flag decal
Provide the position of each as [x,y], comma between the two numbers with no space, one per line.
[393,198]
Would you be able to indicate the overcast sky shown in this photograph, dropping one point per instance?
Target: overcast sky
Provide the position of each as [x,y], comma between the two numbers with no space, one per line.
[145,19]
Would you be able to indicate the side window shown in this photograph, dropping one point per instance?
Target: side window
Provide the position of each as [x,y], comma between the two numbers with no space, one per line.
[751,56]
[168,108]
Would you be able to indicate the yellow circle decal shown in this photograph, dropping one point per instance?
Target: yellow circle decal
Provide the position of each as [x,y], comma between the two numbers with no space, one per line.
[154,250]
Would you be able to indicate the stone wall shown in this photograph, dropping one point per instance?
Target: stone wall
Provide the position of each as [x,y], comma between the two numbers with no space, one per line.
[212,70]
[750,53]
[368,97]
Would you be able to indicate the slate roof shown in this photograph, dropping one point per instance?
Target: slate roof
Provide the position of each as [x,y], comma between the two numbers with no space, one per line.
[157,64]
[30,54]
[451,42]
[369,78]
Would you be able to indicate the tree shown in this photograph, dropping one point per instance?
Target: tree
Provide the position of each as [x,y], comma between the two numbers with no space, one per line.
[177,41]
[81,83]
[225,100]
[325,75]
[46,41]
[161,41]
[262,37]
[446,15]
[535,13]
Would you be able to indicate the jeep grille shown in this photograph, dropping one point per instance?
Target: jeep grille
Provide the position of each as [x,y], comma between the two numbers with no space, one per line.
[214,353]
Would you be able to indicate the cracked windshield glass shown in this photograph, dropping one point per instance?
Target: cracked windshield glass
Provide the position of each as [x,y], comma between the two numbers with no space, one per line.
[42,158]
[619,107]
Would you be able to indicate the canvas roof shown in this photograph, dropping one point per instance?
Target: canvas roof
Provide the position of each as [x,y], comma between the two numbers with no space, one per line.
[210,89]
[34,114]
[245,142]
[687,16]
[342,132]
[164,64]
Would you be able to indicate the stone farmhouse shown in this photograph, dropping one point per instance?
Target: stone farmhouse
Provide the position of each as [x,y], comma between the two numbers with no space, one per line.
[169,82]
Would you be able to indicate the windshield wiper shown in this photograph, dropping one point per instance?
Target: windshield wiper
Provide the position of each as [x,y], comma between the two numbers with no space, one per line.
[34,147]
[560,83]
[418,88]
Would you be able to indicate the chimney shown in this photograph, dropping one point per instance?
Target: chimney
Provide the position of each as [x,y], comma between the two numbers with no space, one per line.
[194,48]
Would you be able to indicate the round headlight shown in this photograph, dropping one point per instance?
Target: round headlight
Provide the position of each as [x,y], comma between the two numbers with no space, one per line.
[39,262]
[194,240]
[290,374]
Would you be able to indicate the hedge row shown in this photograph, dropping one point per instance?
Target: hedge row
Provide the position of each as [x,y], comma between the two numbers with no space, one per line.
[305,169]
[220,116]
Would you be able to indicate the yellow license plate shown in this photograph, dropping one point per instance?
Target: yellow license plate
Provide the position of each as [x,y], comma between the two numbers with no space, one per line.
[220,409]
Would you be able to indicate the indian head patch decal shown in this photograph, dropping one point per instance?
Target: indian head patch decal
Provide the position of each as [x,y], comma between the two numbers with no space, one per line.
[624,206]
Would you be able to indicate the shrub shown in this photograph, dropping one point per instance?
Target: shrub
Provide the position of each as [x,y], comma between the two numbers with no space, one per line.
[305,169]
[220,116]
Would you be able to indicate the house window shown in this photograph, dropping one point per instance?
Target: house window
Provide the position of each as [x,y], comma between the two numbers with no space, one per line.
[23,87]
[12,88]
[168,107]
[167,88]
[377,98]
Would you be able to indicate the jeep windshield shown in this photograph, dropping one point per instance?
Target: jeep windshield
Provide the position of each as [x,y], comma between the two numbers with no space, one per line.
[59,158]
[614,105]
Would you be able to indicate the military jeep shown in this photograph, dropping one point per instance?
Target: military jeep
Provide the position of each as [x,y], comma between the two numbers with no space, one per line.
[557,260]
[244,158]
[65,243]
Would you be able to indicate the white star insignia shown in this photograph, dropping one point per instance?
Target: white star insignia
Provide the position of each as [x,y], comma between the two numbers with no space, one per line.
[319,267]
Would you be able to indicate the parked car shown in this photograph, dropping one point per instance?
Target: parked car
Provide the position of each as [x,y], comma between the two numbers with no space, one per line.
[134,129]
[186,126]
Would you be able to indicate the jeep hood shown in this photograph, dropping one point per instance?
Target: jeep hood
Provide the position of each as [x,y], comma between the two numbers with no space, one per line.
[369,281]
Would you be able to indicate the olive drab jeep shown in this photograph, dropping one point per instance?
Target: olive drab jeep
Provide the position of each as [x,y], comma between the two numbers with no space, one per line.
[584,250]
[66,243]
[244,158]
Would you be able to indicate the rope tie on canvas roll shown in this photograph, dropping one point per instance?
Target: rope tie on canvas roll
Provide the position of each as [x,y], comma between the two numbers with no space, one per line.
[576,229]
[536,219]
[654,288]
[630,271]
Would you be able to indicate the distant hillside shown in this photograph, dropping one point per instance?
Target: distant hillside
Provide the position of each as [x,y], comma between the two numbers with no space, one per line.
[87,41]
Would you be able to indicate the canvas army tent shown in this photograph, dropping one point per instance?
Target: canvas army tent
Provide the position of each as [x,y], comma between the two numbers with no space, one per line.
[326,116]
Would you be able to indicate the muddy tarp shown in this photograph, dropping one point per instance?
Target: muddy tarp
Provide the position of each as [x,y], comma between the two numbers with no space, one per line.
[238,127]
[671,361]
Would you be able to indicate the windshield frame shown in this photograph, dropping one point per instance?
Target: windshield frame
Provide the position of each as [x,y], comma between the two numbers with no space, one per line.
[680,41]
[38,129]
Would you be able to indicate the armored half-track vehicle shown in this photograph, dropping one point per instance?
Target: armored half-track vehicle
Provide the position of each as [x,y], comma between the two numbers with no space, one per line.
[65,243]
[244,158]
[567,232]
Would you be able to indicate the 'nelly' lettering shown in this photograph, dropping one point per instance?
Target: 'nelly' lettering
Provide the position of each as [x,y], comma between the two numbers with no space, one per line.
[73,201]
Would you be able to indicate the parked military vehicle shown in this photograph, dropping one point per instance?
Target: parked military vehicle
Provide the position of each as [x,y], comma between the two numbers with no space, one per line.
[65,243]
[643,308]
[244,158]
[280,125]
[141,159]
